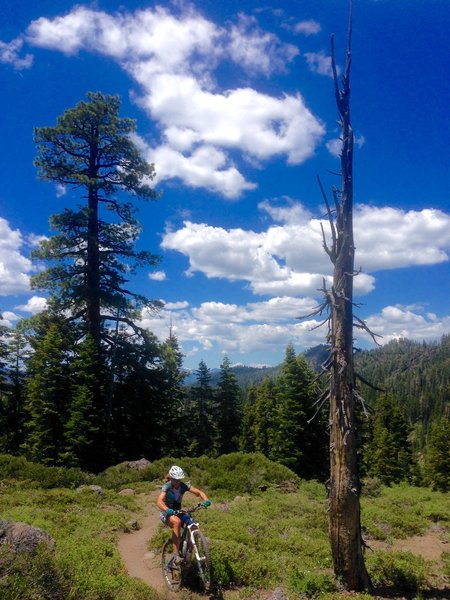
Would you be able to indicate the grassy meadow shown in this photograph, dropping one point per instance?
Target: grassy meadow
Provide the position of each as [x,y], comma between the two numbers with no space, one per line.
[259,540]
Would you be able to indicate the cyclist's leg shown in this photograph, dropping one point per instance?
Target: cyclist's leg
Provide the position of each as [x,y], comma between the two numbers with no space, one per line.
[175,524]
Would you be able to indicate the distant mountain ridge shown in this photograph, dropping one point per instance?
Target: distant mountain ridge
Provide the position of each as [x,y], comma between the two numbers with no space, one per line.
[246,375]
[417,374]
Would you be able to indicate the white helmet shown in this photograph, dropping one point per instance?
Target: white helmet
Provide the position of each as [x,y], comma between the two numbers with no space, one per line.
[176,472]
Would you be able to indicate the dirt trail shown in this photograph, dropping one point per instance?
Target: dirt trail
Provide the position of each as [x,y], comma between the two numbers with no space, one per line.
[138,561]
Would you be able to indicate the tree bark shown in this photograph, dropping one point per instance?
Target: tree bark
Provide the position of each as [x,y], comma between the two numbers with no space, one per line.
[344,514]
[93,321]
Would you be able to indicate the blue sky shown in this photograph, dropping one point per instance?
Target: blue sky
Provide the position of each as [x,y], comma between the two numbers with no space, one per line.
[234,104]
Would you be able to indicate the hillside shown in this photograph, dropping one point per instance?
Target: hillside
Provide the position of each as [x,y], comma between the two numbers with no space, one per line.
[416,374]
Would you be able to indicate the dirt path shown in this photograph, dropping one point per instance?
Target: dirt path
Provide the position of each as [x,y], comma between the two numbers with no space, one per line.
[138,561]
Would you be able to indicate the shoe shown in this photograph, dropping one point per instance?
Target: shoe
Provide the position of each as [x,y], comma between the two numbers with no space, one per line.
[176,560]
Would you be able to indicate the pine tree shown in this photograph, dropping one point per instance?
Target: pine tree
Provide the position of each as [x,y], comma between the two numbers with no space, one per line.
[92,255]
[228,410]
[136,406]
[200,413]
[47,396]
[91,148]
[12,402]
[388,455]
[438,455]
[81,425]
[174,396]
[247,439]
[265,423]
[297,443]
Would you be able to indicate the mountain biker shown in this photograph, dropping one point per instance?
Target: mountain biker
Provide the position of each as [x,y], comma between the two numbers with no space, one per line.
[169,501]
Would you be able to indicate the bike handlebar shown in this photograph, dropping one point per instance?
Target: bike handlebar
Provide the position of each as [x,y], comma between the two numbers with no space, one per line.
[184,511]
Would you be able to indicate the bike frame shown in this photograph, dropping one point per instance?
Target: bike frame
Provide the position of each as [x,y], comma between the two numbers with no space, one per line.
[189,526]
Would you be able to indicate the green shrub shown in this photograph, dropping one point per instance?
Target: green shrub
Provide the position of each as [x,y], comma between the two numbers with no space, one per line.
[28,577]
[372,487]
[311,584]
[402,570]
[402,511]
[235,473]
[17,467]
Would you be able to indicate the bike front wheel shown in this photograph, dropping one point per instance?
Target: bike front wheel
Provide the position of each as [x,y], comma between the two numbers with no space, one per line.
[171,572]
[202,558]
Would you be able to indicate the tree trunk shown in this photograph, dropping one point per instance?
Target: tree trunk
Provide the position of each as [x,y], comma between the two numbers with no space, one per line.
[93,254]
[344,516]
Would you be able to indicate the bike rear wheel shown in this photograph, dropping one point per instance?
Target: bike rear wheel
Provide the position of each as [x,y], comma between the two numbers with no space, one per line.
[202,558]
[171,572]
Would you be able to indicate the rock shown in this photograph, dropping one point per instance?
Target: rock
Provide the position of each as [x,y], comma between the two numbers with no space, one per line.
[140,464]
[96,489]
[127,492]
[21,537]
[133,525]
[222,506]
[287,487]
[278,594]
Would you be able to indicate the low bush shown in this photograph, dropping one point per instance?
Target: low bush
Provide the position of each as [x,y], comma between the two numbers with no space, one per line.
[403,571]
[29,577]
[402,511]
[17,467]
[311,584]
[235,473]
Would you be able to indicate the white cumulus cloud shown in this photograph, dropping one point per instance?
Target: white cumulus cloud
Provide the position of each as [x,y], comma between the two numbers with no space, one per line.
[258,50]
[309,27]
[9,54]
[268,326]
[319,62]
[157,276]
[173,58]
[34,305]
[14,267]
[288,258]
[395,322]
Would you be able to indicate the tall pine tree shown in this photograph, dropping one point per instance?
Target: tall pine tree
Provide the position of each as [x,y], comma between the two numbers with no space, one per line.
[228,410]
[82,425]
[200,411]
[48,397]
[388,454]
[299,440]
[437,459]
[91,149]
[92,255]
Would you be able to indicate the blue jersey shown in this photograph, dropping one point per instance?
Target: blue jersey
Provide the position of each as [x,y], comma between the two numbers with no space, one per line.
[174,496]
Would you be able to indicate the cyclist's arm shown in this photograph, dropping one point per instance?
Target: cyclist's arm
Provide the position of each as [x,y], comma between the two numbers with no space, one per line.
[201,494]
[160,502]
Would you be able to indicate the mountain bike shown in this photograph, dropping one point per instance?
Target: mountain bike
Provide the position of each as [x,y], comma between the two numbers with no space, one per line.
[194,554]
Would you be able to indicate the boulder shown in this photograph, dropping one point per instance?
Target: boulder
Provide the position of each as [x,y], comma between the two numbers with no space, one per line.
[287,487]
[278,594]
[21,537]
[96,489]
[140,464]
[127,492]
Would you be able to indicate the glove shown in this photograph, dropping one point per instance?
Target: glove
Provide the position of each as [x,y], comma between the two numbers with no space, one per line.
[207,503]
[169,512]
